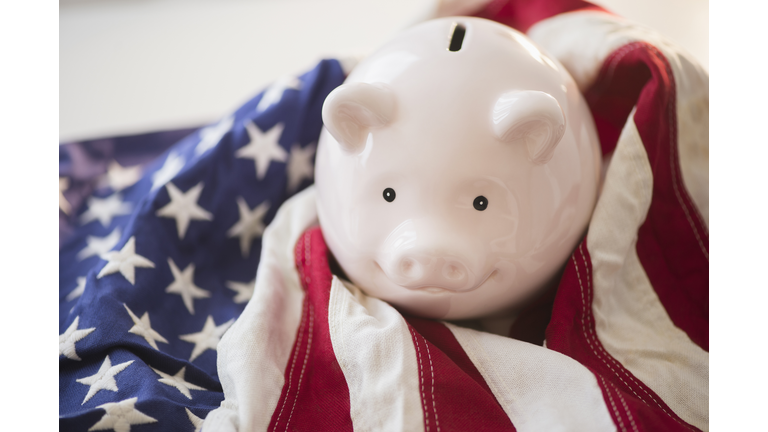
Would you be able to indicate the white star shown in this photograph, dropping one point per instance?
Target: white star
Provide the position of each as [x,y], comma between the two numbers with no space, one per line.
[183,207]
[104,379]
[104,209]
[120,416]
[143,328]
[244,290]
[173,164]
[208,338]
[63,203]
[211,135]
[99,245]
[300,165]
[250,224]
[274,93]
[263,148]
[120,177]
[78,291]
[184,285]
[125,261]
[178,381]
[197,422]
[70,337]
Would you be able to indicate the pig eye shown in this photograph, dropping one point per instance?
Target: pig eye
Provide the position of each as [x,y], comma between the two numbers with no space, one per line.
[481,203]
[389,194]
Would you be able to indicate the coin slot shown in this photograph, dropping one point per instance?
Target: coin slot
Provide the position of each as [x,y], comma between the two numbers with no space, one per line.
[457,37]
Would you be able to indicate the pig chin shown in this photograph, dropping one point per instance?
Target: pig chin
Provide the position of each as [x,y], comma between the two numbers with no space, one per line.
[438,308]
[419,303]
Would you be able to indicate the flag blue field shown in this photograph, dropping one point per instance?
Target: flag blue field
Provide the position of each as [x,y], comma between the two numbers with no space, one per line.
[157,260]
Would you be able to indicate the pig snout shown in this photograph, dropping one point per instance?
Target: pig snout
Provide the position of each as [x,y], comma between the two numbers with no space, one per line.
[419,255]
[417,271]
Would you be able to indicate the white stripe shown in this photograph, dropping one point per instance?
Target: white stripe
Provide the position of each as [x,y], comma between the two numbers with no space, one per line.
[631,322]
[253,354]
[374,348]
[539,389]
[581,41]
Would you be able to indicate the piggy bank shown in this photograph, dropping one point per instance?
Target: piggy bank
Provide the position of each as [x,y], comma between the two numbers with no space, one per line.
[457,170]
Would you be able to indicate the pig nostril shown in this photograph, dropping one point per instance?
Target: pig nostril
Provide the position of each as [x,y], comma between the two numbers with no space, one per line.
[452,271]
[408,267]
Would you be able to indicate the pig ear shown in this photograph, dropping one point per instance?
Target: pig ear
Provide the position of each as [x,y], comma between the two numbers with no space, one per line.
[352,110]
[530,117]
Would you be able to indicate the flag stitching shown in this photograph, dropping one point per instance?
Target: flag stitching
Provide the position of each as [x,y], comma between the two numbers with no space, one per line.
[626,408]
[584,330]
[607,355]
[434,409]
[307,240]
[306,356]
[421,375]
[613,405]
[290,373]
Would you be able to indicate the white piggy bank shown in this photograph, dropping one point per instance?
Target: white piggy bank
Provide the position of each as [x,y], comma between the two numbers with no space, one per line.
[458,170]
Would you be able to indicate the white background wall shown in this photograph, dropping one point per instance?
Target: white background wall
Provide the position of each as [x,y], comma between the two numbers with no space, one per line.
[129,66]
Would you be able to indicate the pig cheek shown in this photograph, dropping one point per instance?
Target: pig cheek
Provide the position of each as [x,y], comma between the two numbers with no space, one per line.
[345,211]
[499,292]
[357,243]
[363,229]
[507,286]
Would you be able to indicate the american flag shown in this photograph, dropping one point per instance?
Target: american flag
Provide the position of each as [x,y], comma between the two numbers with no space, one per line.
[153,276]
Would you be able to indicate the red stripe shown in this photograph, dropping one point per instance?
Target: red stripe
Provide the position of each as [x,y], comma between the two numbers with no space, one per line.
[522,14]
[454,395]
[673,242]
[572,332]
[315,395]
